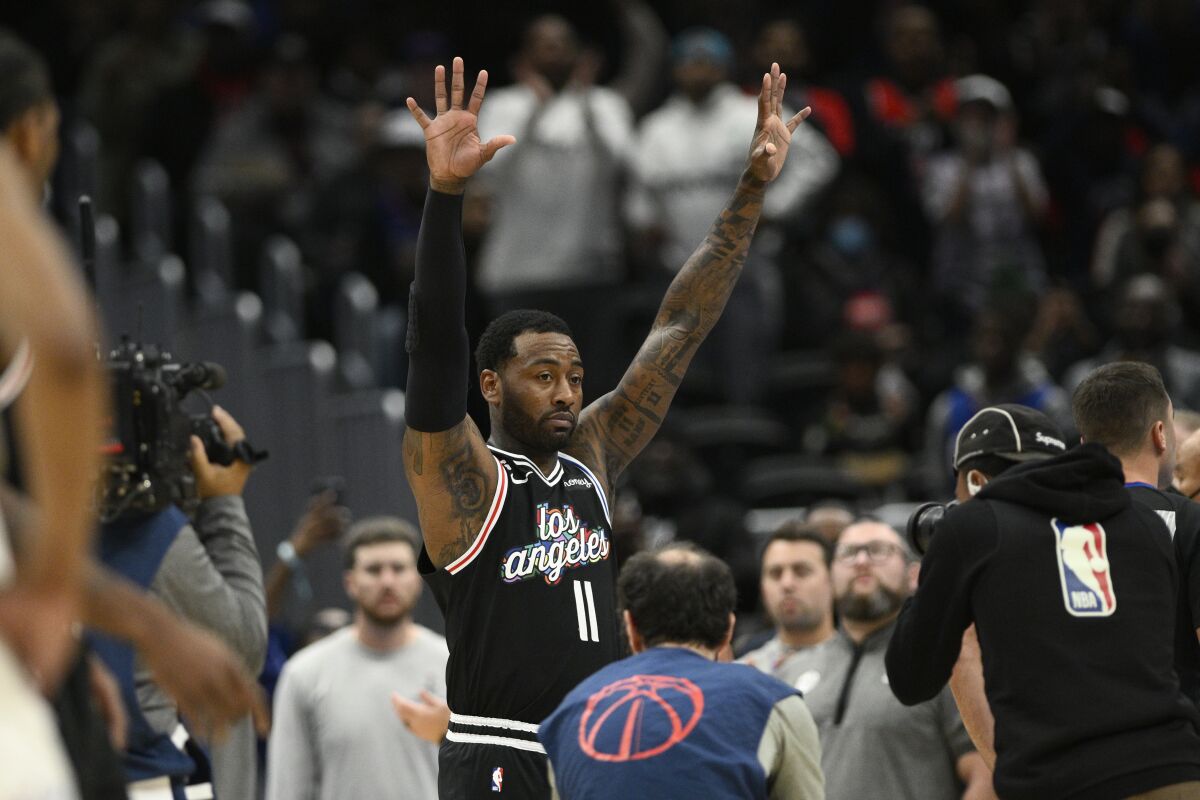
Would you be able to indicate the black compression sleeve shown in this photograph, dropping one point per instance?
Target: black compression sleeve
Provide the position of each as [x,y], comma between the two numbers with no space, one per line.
[439,353]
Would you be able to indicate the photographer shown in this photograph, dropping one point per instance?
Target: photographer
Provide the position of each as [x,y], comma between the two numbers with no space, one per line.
[208,573]
[1071,587]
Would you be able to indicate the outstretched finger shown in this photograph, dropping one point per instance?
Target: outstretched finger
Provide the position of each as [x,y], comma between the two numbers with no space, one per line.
[764,99]
[795,121]
[456,83]
[417,113]
[495,143]
[775,92]
[477,95]
[782,92]
[439,89]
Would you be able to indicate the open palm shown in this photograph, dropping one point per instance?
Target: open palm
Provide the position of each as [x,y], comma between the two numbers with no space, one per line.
[772,135]
[453,148]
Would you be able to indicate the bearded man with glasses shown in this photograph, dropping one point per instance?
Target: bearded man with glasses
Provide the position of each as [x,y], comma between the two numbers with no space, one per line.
[871,745]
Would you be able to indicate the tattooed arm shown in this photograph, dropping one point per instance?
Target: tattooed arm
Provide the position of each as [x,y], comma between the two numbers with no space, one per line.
[452,473]
[615,428]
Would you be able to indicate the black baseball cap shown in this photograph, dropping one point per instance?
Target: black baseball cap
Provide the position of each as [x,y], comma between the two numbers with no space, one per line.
[1011,431]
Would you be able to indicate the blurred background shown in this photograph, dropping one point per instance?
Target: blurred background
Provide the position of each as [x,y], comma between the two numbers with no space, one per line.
[989,199]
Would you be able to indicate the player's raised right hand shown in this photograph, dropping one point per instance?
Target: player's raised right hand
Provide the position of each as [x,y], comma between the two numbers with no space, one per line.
[453,148]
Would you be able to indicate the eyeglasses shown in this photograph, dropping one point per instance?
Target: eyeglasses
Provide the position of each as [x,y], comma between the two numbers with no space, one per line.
[878,552]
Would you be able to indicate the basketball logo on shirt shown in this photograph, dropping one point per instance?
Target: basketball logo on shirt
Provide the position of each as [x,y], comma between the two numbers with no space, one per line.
[498,779]
[1084,569]
[639,717]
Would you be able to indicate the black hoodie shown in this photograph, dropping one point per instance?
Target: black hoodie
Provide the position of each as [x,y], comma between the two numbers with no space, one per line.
[1073,592]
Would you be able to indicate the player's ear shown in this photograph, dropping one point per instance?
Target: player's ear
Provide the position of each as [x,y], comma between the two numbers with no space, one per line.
[489,386]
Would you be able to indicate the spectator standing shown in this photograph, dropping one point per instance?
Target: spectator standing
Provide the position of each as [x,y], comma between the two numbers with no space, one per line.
[573,138]
[686,154]
[797,595]
[985,199]
[335,733]
[870,741]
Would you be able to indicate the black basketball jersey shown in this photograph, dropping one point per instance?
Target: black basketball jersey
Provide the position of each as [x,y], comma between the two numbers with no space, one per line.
[1182,518]
[530,607]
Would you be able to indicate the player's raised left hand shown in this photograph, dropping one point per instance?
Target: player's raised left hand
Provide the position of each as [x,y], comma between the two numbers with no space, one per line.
[772,135]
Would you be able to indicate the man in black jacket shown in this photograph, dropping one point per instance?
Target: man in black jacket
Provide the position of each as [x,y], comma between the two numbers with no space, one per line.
[1072,588]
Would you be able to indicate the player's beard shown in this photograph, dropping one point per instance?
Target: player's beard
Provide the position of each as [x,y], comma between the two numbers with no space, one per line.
[879,604]
[531,433]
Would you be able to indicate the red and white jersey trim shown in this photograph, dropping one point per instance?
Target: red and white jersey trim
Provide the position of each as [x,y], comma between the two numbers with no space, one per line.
[460,563]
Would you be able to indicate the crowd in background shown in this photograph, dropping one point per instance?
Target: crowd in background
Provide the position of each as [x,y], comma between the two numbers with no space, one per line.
[988,200]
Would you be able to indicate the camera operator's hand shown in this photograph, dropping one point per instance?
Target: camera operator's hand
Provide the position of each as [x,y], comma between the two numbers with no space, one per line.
[214,480]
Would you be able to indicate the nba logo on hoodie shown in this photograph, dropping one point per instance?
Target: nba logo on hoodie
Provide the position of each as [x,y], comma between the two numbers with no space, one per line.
[1082,552]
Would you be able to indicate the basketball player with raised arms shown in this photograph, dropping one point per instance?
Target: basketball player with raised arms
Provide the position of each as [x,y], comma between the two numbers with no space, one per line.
[517,532]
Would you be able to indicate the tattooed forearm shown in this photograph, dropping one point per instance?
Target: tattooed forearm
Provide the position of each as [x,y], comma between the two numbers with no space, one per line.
[697,296]
[629,417]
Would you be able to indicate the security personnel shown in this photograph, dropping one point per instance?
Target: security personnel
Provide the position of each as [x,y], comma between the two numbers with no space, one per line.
[1072,589]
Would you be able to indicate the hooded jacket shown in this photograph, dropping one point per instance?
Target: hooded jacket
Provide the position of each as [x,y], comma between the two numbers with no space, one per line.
[1072,588]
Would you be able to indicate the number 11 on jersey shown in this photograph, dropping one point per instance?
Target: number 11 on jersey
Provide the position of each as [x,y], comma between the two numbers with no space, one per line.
[585,611]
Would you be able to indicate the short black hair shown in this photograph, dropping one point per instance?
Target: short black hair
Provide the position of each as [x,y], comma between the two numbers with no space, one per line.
[684,600]
[24,79]
[377,530]
[1117,404]
[796,531]
[496,345]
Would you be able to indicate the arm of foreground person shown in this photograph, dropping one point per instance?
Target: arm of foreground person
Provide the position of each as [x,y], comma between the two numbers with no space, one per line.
[210,685]
[59,419]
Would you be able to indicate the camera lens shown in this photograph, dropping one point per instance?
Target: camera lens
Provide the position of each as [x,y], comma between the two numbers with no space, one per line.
[923,523]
